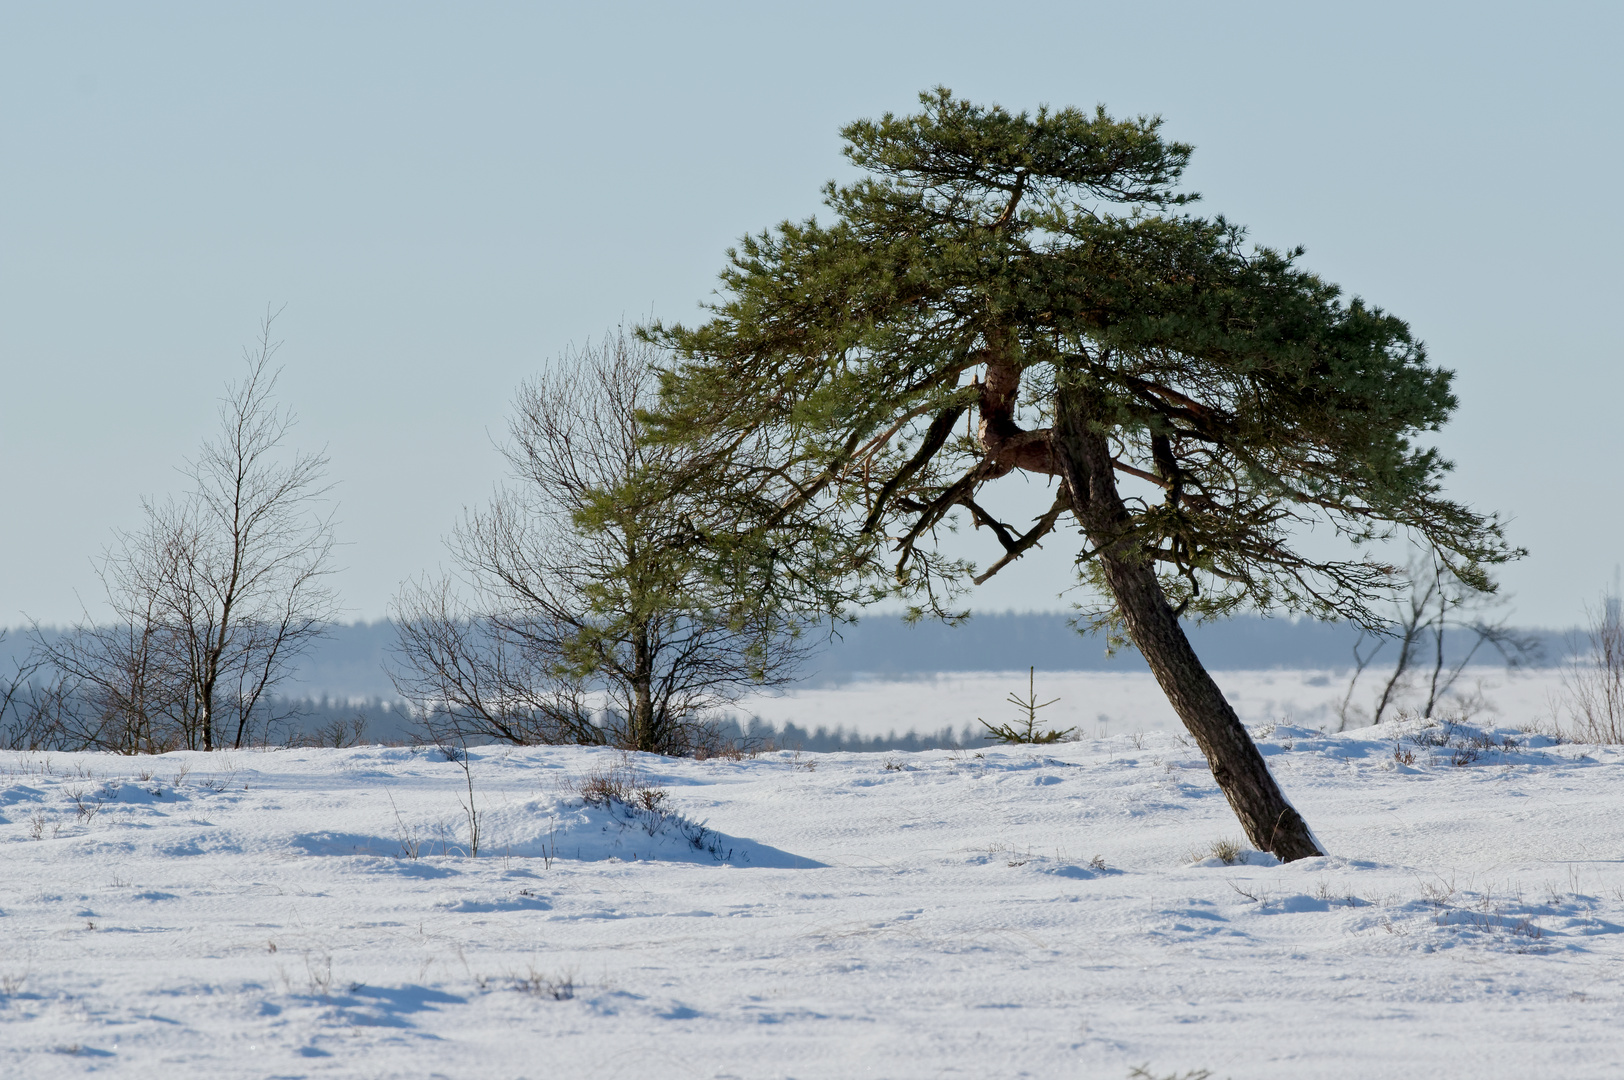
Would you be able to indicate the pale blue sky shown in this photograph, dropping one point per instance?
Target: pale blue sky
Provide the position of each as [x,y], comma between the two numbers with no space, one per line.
[445,196]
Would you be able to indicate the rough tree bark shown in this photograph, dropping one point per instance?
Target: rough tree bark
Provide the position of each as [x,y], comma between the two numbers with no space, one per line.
[1084,461]
[642,725]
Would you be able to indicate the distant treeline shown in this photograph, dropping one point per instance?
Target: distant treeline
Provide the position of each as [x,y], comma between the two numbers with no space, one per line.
[333,722]
[889,648]
[349,662]
[760,735]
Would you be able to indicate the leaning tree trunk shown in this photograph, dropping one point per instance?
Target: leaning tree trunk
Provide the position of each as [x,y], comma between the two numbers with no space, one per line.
[1084,460]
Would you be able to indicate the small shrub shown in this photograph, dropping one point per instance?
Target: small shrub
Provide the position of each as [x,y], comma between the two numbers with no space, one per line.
[557,987]
[715,744]
[621,791]
[340,734]
[86,808]
[1433,735]
[604,786]
[621,784]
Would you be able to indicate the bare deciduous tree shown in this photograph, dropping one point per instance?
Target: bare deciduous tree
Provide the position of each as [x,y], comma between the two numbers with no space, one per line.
[31,702]
[588,611]
[213,596]
[1436,604]
[1594,684]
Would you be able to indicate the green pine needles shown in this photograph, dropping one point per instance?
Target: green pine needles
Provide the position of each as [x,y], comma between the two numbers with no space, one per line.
[1026,730]
[863,379]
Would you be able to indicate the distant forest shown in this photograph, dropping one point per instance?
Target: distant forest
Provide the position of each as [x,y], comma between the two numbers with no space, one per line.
[349,661]
[341,679]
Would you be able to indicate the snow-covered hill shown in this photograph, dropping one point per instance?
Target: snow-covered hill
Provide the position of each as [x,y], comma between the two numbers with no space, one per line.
[1046,912]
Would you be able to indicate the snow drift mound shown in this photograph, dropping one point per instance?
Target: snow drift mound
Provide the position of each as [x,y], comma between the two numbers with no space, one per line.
[583,830]
[643,829]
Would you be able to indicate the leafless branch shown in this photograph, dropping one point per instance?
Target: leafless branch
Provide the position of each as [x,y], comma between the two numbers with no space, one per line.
[584,607]
[215,594]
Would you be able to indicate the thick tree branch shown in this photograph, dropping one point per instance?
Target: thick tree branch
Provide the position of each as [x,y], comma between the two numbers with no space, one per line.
[935,437]
[1029,539]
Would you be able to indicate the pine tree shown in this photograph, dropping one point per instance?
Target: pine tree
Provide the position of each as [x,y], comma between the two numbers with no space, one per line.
[1005,294]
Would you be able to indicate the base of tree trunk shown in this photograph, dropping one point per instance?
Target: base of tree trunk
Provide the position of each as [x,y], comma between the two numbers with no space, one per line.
[1272,824]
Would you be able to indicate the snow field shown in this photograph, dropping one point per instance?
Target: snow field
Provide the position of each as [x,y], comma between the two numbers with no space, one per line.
[1118,703]
[1043,912]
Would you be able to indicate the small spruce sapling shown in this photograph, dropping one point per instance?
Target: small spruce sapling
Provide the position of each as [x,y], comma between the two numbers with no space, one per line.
[1026,730]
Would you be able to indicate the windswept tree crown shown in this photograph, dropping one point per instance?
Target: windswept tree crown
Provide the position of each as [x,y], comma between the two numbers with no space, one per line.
[859,381]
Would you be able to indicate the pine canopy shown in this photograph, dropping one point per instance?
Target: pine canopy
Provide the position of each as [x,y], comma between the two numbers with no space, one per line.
[859,382]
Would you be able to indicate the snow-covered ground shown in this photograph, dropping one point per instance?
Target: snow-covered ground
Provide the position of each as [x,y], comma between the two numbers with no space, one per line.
[1046,912]
[1103,702]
